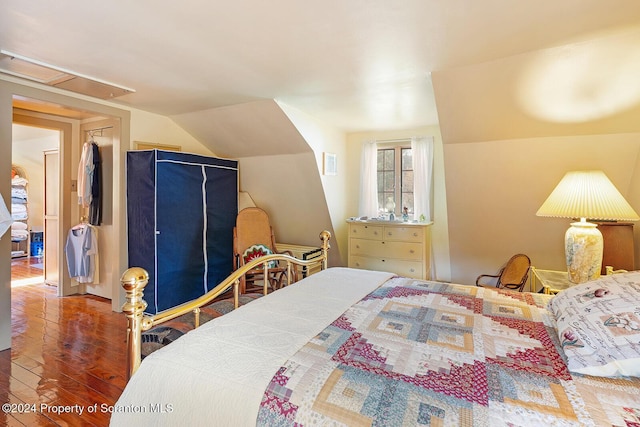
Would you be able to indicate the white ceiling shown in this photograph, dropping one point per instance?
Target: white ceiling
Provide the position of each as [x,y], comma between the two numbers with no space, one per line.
[354,64]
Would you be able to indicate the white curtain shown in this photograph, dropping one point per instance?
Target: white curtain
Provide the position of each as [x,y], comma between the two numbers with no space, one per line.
[369,180]
[422,150]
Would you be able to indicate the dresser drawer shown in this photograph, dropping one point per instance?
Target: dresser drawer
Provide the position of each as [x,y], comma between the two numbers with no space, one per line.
[384,249]
[405,234]
[396,247]
[403,268]
[364,231]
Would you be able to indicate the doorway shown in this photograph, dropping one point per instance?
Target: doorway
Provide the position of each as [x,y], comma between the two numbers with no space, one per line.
[62,211]
[29,184]
[20,103]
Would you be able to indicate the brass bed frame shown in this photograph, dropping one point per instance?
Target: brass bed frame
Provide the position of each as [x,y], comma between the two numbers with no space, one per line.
[135,279]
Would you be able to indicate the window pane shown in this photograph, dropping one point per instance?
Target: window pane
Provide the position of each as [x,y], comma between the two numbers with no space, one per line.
[380,160]
[407,181]
[389,181]
[389,160]
[407,159]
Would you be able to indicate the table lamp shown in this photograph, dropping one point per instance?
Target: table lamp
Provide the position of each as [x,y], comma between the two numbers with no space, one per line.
[586,195]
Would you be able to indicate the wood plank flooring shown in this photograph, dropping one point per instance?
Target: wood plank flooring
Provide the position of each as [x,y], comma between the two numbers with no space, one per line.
[66,353]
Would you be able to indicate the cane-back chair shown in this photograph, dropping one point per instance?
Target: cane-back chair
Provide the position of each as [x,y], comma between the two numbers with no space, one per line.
[252,238]
[513,275]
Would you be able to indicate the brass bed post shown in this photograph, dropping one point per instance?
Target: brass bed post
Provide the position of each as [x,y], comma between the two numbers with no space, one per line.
[325,236]
[133,281]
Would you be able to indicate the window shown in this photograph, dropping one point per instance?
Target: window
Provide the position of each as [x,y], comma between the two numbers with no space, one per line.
[395,179]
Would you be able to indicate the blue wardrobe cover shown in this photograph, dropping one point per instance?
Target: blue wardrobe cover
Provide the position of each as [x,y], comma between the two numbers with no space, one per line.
[181,210]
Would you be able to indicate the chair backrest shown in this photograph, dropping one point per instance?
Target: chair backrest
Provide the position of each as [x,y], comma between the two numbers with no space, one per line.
[252,228]
[515,272]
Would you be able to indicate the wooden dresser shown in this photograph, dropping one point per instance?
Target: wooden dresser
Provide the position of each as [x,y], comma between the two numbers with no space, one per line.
[398,247]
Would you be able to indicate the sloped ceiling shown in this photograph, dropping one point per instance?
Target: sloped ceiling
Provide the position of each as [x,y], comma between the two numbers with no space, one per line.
[590,87]
[251,129]
[357,65]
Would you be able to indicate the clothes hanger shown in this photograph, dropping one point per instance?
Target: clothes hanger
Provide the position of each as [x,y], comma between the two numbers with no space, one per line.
[83,223]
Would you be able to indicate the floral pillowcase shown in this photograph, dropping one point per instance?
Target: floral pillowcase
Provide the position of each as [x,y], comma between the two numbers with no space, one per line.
[599,325]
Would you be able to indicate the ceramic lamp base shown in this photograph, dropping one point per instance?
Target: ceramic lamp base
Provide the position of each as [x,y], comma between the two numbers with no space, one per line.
[583,249]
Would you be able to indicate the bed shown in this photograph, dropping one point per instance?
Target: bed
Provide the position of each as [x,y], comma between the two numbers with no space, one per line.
[357,347]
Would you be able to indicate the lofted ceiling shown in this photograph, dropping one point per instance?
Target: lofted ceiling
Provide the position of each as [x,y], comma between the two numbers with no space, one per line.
[356,65]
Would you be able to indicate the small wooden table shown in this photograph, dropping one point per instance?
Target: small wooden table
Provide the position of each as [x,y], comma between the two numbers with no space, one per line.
[552,281]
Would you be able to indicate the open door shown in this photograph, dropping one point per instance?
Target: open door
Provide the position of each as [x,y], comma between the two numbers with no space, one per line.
[51,217]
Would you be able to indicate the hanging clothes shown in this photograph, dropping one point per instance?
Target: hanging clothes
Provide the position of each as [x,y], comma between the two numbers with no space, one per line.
[90,182]
[85,172]
[95,207]
[81,251]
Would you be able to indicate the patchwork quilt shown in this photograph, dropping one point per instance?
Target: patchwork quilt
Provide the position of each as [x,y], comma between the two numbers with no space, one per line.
[428,353]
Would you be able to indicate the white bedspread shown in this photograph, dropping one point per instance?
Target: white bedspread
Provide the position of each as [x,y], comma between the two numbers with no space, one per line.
[217,374]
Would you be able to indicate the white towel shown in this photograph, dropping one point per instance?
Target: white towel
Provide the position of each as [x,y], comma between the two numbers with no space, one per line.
[17,225]
[17,208]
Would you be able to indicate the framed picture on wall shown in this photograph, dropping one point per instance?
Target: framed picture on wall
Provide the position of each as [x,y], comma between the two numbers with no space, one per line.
[329,164]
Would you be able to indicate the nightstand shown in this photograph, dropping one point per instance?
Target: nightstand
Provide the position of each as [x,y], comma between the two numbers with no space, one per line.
[552,281]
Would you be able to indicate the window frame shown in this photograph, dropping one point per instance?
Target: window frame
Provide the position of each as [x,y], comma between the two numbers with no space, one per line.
[397,147]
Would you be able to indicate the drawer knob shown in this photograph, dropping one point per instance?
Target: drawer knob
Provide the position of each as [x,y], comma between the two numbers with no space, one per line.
[390,233]
[375,233]
[358,246]
[412,270]
[383,260]
[415,234]
[411,251]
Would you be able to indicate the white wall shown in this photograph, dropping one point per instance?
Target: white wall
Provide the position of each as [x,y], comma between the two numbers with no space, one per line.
[326,139]
[439,233]
[157,129]
[494,189]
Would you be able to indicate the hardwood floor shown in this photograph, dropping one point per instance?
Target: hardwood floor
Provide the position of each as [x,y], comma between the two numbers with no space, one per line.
[67,353]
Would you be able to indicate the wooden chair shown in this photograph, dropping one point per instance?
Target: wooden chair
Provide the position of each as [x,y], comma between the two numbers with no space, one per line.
[513,275]
[253,237]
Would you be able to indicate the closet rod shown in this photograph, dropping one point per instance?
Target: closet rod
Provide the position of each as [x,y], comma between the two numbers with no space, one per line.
[93,132]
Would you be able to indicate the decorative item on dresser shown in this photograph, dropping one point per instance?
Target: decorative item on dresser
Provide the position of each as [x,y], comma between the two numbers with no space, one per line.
[399,247]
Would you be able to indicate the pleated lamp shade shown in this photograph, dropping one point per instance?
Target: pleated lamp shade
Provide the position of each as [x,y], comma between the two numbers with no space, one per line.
[586,194]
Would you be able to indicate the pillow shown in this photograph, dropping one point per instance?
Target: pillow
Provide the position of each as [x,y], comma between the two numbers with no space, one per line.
[257,251]
[599,325]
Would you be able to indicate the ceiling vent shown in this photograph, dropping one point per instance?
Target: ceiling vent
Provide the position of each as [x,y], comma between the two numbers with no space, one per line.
[37,71]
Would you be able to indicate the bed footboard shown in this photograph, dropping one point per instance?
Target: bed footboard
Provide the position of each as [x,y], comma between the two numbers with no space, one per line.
[135,279]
